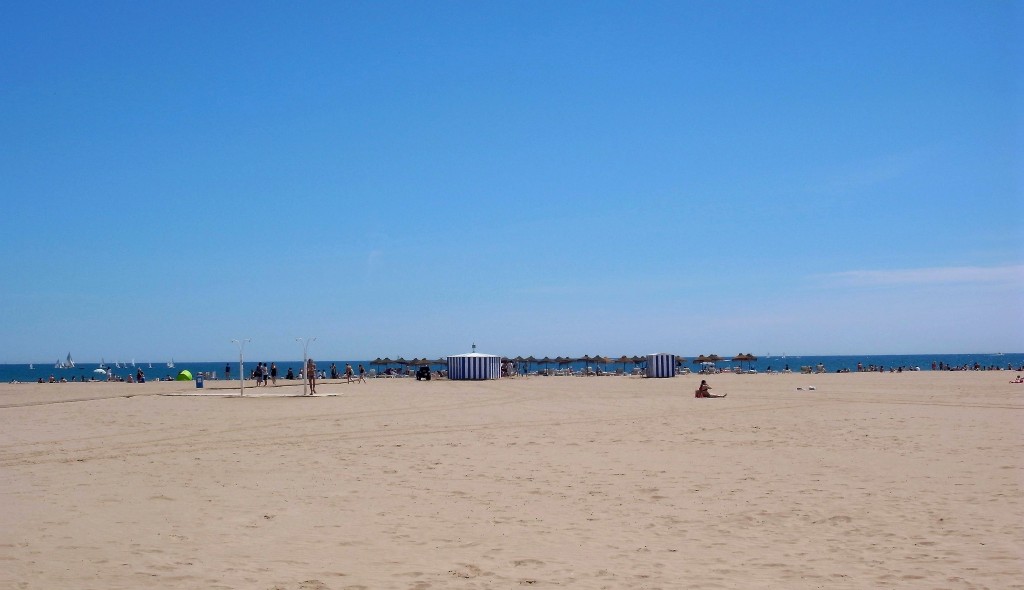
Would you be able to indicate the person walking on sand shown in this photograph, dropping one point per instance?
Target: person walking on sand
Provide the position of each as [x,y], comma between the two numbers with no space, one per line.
[311,375]
[348,373]
[704,390]
[362,374]
[273,373]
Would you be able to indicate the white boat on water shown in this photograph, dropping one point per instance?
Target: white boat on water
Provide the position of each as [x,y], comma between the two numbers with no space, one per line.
[170,365]
[31,367]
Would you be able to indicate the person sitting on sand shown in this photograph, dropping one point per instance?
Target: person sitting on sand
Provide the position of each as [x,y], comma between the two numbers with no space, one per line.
[705,390]
[1017,380]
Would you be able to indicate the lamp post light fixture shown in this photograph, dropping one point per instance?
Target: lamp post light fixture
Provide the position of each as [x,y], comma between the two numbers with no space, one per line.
[241,365]
[305,362]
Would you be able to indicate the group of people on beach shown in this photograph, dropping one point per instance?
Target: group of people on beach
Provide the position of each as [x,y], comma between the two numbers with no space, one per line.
[940,366]
[349,374]
[310,373]
[262,374]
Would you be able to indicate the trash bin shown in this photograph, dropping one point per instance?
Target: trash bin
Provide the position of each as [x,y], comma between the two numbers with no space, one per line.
[199,381]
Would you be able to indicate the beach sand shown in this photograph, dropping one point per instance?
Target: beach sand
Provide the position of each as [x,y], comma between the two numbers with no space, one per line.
[909,480]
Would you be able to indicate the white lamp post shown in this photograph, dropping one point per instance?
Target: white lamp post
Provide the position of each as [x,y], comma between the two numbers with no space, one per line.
[305,362]
[241,365]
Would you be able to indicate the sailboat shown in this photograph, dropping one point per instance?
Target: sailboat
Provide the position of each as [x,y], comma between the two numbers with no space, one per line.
[170,365]
[31,367]
[150,365]
[59,364]
[133,362]
[103,364]
[69,364]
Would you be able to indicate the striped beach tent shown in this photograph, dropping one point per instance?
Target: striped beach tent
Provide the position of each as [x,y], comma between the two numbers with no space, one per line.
[474,366]
[661,365]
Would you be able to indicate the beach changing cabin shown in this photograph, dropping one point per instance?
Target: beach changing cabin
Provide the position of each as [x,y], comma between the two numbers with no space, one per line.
[661,365]
[474,366]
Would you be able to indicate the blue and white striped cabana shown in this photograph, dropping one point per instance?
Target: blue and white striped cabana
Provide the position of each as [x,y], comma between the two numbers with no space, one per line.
[474,366]
[661,365]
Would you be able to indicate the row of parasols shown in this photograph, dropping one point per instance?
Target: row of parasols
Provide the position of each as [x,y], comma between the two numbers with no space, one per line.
[587,360]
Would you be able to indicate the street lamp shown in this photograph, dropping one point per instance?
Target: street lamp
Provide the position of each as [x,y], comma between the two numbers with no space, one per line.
[305,362]
[241,364]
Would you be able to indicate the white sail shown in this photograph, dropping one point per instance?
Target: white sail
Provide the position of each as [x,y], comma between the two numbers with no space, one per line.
[170,365]
[69,364]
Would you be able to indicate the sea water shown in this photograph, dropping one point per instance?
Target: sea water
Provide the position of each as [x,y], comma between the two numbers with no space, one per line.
[832,364]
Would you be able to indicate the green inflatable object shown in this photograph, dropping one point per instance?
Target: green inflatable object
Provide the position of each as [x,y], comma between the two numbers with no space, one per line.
[185,375]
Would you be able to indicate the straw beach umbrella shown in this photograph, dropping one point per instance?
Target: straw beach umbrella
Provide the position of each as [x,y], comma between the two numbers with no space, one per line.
[744,357]
[708,360]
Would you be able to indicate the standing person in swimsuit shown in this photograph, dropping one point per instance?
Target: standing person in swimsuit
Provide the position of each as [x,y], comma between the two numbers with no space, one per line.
[362,374]
[311,375]
[348,373]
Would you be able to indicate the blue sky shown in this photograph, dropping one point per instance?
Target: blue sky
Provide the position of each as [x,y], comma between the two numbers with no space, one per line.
[407,178]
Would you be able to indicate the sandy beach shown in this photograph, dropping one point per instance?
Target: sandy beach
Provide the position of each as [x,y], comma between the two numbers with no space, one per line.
[911,480]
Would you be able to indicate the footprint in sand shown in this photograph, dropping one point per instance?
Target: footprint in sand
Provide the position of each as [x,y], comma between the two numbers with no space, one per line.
[467,570]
